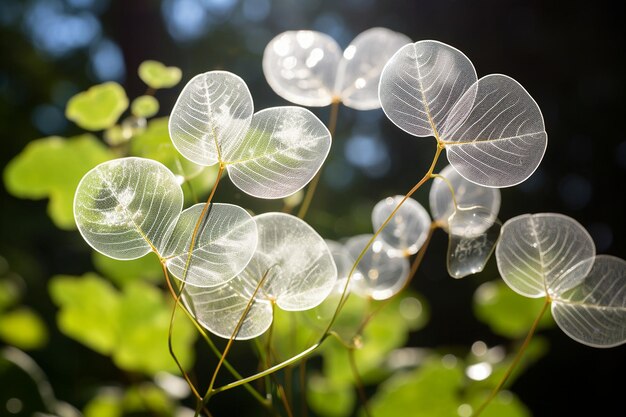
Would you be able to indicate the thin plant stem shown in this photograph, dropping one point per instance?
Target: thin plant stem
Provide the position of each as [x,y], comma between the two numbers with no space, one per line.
[420,254]
[516,360]
[210,390]
[344,295]
[308,198]
[358,382]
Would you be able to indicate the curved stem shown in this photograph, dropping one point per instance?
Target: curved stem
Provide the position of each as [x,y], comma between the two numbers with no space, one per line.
[516,360]
[332,125]
[420,254]
[344,295]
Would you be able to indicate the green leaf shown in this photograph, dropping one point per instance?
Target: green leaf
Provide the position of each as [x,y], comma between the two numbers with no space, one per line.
[146,268]
[23,328]
[432,389]
[505,404]
[89,310]
[9,293]
[144,322]
[52,168]
[155,143]
[147,397]
[99,107]
[144,106]
[106,404]
[157,75]
[328,399]
[506,312]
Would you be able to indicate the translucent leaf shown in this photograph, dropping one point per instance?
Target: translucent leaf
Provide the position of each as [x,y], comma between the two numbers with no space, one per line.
[358,74]
[502,140]
[469,197]
[223,247]
[344,262]
[420,85]
[283,150]
[407,231]
[594,312]
[382,274]
[211,116]
[88,310]
[157,75]
[127,207]
[300,275]
[99,107]
[155,143]
[506,312]
[144,106]
[23,328]
[537,254]
[468,253]
[301,67]
[52,168]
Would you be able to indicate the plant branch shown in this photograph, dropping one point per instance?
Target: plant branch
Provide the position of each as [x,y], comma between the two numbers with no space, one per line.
[516,360]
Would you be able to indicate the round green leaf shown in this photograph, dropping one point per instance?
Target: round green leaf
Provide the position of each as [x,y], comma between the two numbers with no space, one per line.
[23,328]
[157,75]
[99,107]
[144,106]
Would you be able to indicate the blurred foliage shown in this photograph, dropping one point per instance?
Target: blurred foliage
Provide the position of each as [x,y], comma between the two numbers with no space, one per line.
[156,75]
[99,107]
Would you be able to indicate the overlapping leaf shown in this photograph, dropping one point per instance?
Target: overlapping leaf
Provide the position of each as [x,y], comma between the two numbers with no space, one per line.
[272,154]
[127,207]
[544,254]
[492,128]
[407,230]
[308,68]
[502,140]
[381,274]
[292,267]
[594,312]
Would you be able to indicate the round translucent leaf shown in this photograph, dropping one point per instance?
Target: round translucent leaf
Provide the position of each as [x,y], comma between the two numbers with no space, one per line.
[538,254]
[224,245]
[283,149]
[407,230]
[594,312]
[381,274]
[468,196]
[420,85]
[301,67]
[502,140]
[220,309]
[363,60]
[308,270]
[468,253]
[144,106]
[344,262]
[211,116]
[127,207]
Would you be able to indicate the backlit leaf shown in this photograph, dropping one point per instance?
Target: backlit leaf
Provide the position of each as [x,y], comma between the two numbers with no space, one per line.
[23,328]
[537,254]
[157,75]
[52,168]
[144,106]
[99,107]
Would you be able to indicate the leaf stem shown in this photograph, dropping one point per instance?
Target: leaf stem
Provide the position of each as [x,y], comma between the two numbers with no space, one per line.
[332,125]
[516,360]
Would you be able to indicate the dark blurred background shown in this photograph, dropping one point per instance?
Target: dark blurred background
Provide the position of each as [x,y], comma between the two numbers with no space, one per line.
[568,55]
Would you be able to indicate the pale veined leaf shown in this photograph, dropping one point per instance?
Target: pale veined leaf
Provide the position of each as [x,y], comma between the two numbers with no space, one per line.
[358,74]
[344,262]
[543,254]
[594,312]
[297,270]
[381,274]
[127,207]
[301,66]
[283,149]
[420,85]
[211,116]
[468,251]
[467,196]
[225,242]
[502,140]
[407,230]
